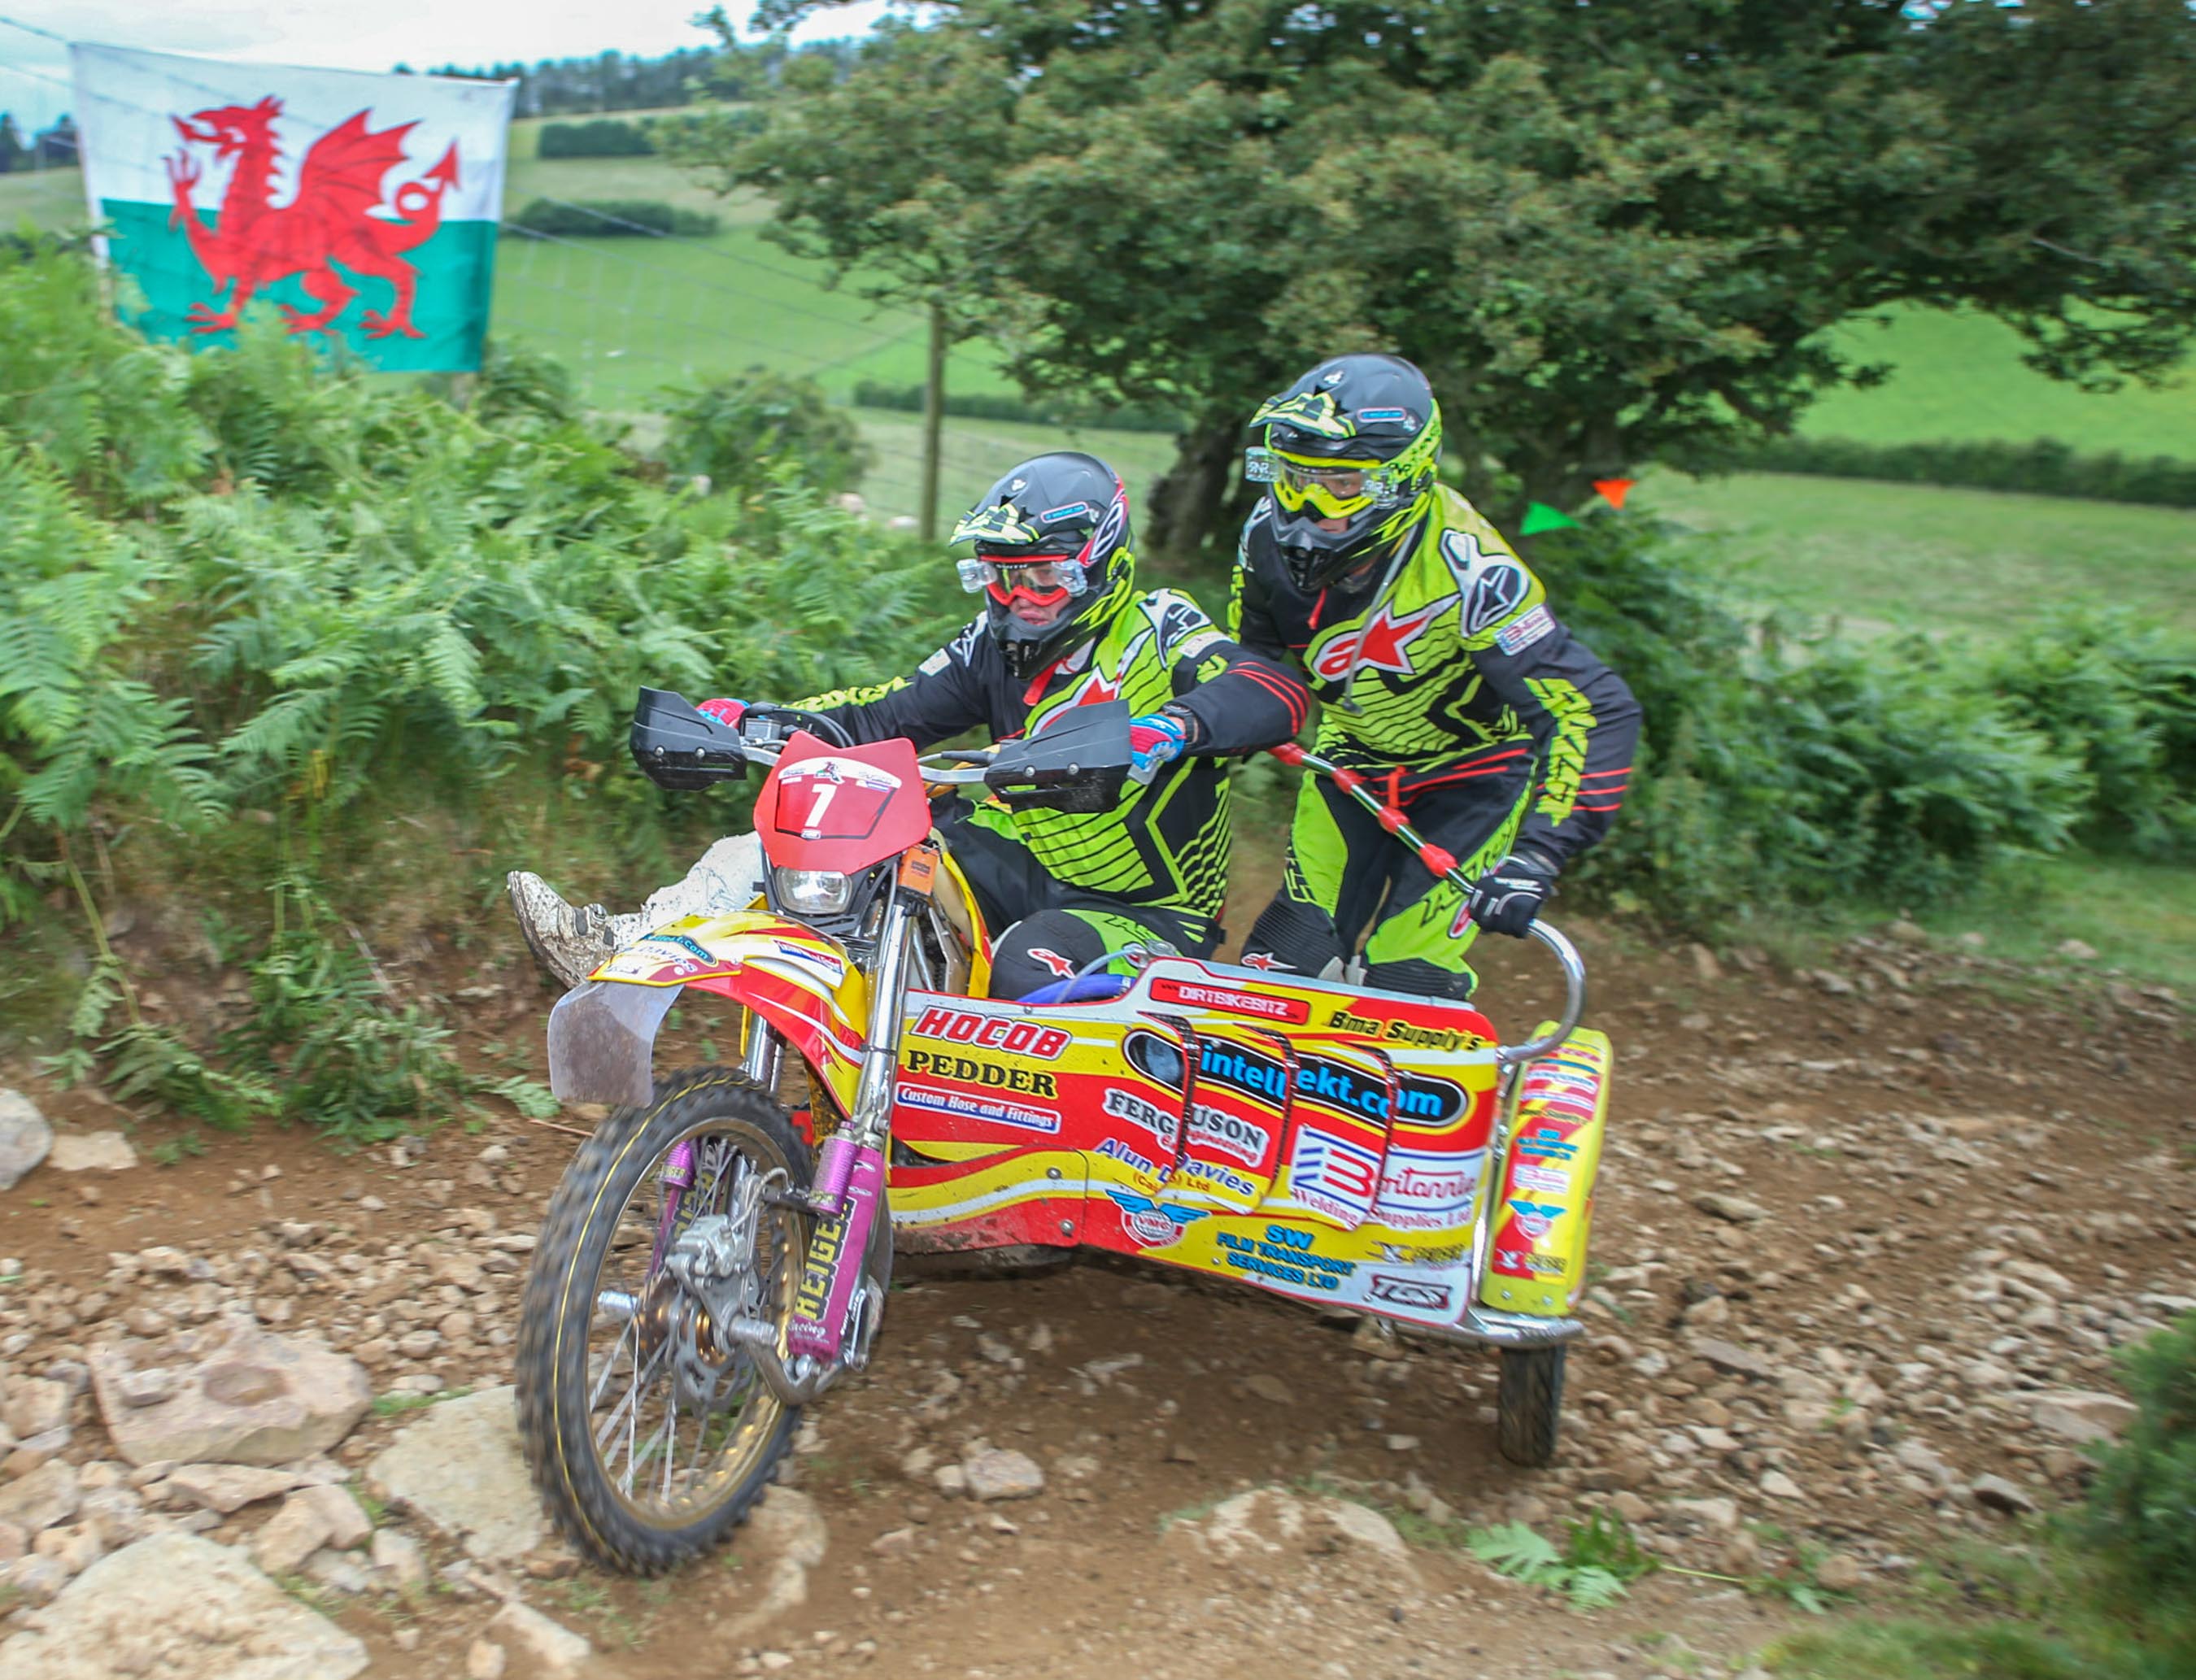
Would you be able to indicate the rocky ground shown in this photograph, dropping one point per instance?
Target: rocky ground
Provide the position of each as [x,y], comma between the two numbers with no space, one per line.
[1867,1239]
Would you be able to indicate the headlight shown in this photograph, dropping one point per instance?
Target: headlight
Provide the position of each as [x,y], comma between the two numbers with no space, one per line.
[814,892]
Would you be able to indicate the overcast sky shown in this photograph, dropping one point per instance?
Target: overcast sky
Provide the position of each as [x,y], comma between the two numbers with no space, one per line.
[352,34]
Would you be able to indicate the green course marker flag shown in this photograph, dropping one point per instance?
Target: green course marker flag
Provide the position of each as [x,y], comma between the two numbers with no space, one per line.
[1539,516]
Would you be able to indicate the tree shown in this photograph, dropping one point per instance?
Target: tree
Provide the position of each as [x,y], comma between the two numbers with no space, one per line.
[1612,231]
[13,152]
[56,147]
[898,195]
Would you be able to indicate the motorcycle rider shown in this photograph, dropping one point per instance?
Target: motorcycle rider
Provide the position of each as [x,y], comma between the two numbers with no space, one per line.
[1445,683]
[1063,624]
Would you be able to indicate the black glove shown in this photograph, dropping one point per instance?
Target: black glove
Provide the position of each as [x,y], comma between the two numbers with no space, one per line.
[1509,895]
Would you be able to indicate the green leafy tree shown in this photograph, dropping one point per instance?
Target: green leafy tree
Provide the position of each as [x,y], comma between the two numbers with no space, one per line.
[1610,232]
[13,152]
[758,428]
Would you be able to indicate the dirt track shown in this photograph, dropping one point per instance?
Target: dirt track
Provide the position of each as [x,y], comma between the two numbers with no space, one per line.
[1946,1204]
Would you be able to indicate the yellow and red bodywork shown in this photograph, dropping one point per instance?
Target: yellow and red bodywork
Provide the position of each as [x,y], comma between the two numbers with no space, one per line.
[1537,1244]
[1335,1150]
[799,980]
[1324,1141]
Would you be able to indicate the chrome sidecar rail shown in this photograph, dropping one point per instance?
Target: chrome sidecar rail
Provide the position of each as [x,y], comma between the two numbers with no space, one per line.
[1510,1330]
[1574,967]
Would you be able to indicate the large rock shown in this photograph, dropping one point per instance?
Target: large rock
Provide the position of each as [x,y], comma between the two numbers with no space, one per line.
[2081,1416]
[460,1467]
[182,1608]
[92,1152]
[783,1541]
[255,1399]
[1270,1521]
[1729,1356]
[46,1495]
[229,1487]
[310,1518]
[24,1137]
[996,1473]
[541,1645]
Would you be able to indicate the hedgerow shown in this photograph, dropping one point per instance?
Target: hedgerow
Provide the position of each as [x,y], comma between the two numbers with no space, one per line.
[2045,467]
[243,594]
[1779,770]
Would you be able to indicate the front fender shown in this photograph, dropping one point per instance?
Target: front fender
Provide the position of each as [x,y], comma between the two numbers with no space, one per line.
[601,1035]
[602,1042]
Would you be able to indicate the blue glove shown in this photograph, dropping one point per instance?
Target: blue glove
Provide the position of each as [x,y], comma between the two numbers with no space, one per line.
[1155,739]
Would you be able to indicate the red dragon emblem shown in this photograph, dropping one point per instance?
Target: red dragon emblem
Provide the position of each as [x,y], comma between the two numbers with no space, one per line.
[331,221]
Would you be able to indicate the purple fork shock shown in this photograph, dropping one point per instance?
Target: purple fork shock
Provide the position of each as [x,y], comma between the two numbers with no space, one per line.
[856,1173]
[677,1180]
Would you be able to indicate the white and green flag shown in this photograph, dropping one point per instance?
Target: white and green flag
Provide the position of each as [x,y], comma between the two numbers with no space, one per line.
[363,207]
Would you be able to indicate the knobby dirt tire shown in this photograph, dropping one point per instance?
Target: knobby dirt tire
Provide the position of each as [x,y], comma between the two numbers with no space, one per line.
[1528,1405]
[555,1314]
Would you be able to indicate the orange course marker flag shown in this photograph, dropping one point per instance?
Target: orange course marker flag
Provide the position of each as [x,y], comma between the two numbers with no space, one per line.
[1611,490]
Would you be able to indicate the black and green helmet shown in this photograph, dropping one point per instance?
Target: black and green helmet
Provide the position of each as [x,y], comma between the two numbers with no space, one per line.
[1348,462]
[1051,537]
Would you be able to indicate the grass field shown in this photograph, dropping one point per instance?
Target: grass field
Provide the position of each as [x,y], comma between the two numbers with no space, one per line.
[1878,557]
[1960,376]
[46,198]
[976,451]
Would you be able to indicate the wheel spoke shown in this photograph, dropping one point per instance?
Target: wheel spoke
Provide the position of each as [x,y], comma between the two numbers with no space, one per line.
[629,1408]
[654,1378]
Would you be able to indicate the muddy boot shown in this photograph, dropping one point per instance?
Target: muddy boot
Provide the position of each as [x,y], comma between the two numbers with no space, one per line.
[569,941]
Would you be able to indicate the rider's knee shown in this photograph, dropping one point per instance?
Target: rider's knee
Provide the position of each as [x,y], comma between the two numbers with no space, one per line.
[1041,949]
[1416,975]
[1293,935]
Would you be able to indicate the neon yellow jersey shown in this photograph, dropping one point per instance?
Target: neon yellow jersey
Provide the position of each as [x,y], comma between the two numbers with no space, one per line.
[1459,653]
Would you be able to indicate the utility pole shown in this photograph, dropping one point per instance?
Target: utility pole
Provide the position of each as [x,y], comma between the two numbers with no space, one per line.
[933,420]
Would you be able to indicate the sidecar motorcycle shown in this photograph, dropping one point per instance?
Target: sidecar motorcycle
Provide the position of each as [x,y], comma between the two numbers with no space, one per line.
[718,1253]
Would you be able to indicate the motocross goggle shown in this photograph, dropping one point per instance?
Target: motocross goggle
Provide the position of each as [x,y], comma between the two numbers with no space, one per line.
[1042,580]
[1331,488]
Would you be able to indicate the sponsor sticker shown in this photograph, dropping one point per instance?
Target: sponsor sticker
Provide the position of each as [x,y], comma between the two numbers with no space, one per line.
[826,963]
[1391,1031]
[1114,1149]
[1522,632]
[970,1071]
[936,663]
[1128,1106]
[1544,1143]
[1524,1263]
[1334,1176]
[1540,1179]
[1294,1010]
[1421,1098]
[1535,1219]
[1409,1292]
[1017,1037]
[1423,1191]
[1242,1070]
[998,1113]
[1286,1256]
[1230,1134]
[679,940]
[1151,1224]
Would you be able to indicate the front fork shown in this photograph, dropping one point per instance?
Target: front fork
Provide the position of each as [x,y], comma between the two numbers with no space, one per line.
[841,1293]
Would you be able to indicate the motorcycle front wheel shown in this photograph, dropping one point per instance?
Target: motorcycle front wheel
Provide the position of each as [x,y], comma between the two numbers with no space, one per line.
[649,1433]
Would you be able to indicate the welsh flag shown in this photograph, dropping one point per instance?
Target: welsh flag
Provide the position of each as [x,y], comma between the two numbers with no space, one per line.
[362,207]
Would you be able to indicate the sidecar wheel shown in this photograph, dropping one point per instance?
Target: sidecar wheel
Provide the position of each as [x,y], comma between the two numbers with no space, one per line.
[1528,1405]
